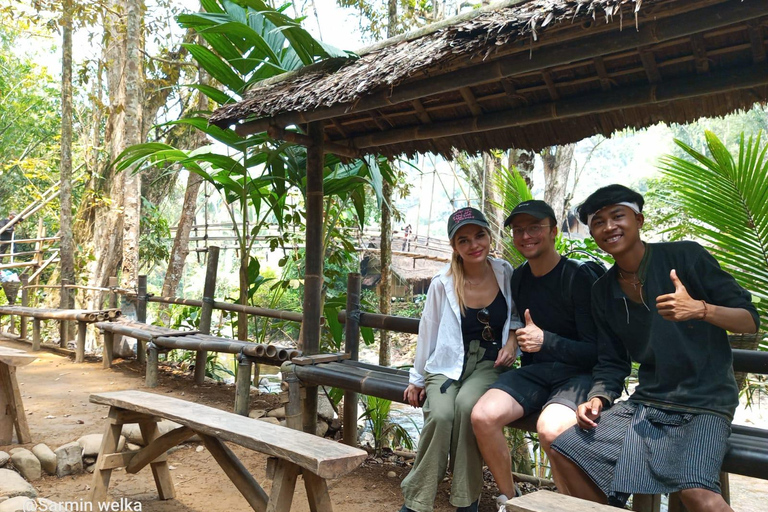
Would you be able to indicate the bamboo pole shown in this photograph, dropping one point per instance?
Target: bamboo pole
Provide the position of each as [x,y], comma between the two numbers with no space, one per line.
[23,322]
[352,346]
[209,292]
[80,347]
[64,305]
[651,32]
[72,315]
[304,140]
[112,301]
[141,316]
[243,385]
[313,277]
[226,306]
[107,354]
[152,366]
[293,406]
[382,386]
[35,334]
[392,323]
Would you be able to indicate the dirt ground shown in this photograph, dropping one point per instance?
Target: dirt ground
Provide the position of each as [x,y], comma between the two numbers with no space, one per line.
[55,394]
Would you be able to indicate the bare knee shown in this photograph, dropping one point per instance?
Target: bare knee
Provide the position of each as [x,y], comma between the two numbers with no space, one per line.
[549,432]
[489,415]
[703,499]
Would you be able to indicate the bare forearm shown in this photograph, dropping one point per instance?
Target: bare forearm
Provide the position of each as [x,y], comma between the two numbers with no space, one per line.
[731,319]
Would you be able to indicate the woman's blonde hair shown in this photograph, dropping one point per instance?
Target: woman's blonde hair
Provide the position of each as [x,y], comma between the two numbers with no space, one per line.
[457,271]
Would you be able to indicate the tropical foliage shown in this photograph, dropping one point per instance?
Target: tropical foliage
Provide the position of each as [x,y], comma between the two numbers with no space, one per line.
[726,197]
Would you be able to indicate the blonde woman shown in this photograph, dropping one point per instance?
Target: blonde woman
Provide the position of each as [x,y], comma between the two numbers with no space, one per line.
[466,339]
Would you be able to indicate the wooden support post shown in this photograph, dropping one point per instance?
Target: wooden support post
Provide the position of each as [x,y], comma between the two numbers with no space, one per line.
[352,345]
[725,487]
[63,324]
[80,347]
[243,385]
[141,316]
[35,334]
[313,277]
[209,292]
[160,471]
[113,303]
[675,503]
[23,321]
[293,406]
[151,375]
[108,352]
[281,495]
[237,472]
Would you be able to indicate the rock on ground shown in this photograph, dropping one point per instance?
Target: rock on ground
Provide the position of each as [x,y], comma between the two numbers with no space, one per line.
[27,464]
[4,458]
[12,485]
[132,432]
[18,504]
[46,457]
[69,459]
[324,408]
[91,444]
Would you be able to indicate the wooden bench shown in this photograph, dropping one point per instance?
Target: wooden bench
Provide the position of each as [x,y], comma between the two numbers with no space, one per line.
[11,407]
[317,459]
[547,501]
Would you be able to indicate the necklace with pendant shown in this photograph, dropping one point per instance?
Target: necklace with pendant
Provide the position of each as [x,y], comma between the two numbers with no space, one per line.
[634,282]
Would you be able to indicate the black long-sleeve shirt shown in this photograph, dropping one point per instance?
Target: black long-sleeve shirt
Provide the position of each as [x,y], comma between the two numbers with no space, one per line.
[570,336]
[684,366]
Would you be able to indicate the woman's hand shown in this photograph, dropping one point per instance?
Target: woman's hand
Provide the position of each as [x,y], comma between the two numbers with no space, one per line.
[414,395]
[506,355]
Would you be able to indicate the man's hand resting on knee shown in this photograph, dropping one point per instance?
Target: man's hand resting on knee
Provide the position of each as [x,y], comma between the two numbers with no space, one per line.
[588,412]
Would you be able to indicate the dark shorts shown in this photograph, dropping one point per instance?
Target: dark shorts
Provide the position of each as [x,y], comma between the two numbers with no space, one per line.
[637,448]
[537,385]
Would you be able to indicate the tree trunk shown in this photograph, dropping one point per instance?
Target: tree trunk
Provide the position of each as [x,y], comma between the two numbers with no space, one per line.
[491,198]
[385,297]
[522,160]
[557,166]
[134,98]
[65,196]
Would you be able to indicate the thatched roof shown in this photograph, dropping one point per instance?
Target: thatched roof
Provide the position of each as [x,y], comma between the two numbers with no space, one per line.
[526,74]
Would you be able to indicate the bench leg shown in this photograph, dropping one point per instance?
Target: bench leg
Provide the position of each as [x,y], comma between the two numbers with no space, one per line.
[283,485]
[12,408]
[107,354]
[243,386]
[35,334]
[152,366]
[160,470]
[108,446]
[80,347]
[317,492]
[240,476]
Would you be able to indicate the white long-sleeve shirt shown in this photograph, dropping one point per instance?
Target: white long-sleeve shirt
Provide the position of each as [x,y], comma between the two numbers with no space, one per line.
[440,348]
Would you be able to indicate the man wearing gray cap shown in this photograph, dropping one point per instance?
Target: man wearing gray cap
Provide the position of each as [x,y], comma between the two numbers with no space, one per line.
[558,344]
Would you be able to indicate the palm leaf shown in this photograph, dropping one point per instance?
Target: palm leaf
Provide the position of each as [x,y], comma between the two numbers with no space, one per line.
[728,199]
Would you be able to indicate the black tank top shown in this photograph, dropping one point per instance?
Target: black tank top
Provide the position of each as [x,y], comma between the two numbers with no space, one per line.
[472,328]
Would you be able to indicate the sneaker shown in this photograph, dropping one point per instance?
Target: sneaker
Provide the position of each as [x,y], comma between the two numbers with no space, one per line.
[471,508]
[405,509]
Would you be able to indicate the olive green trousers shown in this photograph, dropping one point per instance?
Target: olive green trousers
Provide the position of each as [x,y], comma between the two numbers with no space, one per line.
[447,433]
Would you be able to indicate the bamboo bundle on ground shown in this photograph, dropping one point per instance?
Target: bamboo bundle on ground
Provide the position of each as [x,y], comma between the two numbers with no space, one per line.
[272,354]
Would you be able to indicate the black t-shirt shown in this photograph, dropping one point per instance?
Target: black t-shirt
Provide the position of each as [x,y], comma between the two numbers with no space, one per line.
[570,335]
[472,328]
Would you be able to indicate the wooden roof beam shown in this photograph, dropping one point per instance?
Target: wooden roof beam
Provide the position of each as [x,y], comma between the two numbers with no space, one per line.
[651,32]
[700,53]
[602,73]
[755,31]
[618,99]
[551,88]
[471,101]
[278,133]
[649,64]
[421,112]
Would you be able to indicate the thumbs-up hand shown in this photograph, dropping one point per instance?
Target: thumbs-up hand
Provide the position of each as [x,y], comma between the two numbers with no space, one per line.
[679,306]
[530,338]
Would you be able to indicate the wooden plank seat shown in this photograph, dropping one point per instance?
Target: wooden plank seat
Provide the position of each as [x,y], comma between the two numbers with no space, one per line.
[548,501]
[11,407]
[317,459]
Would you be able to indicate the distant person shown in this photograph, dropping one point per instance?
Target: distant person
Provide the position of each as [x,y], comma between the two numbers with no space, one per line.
[6,237]
[406,238]
[466,338]
[558,344]
[666,306]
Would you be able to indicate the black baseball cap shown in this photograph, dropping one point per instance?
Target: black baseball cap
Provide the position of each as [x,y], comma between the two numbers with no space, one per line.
[465,216]
[533,207]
